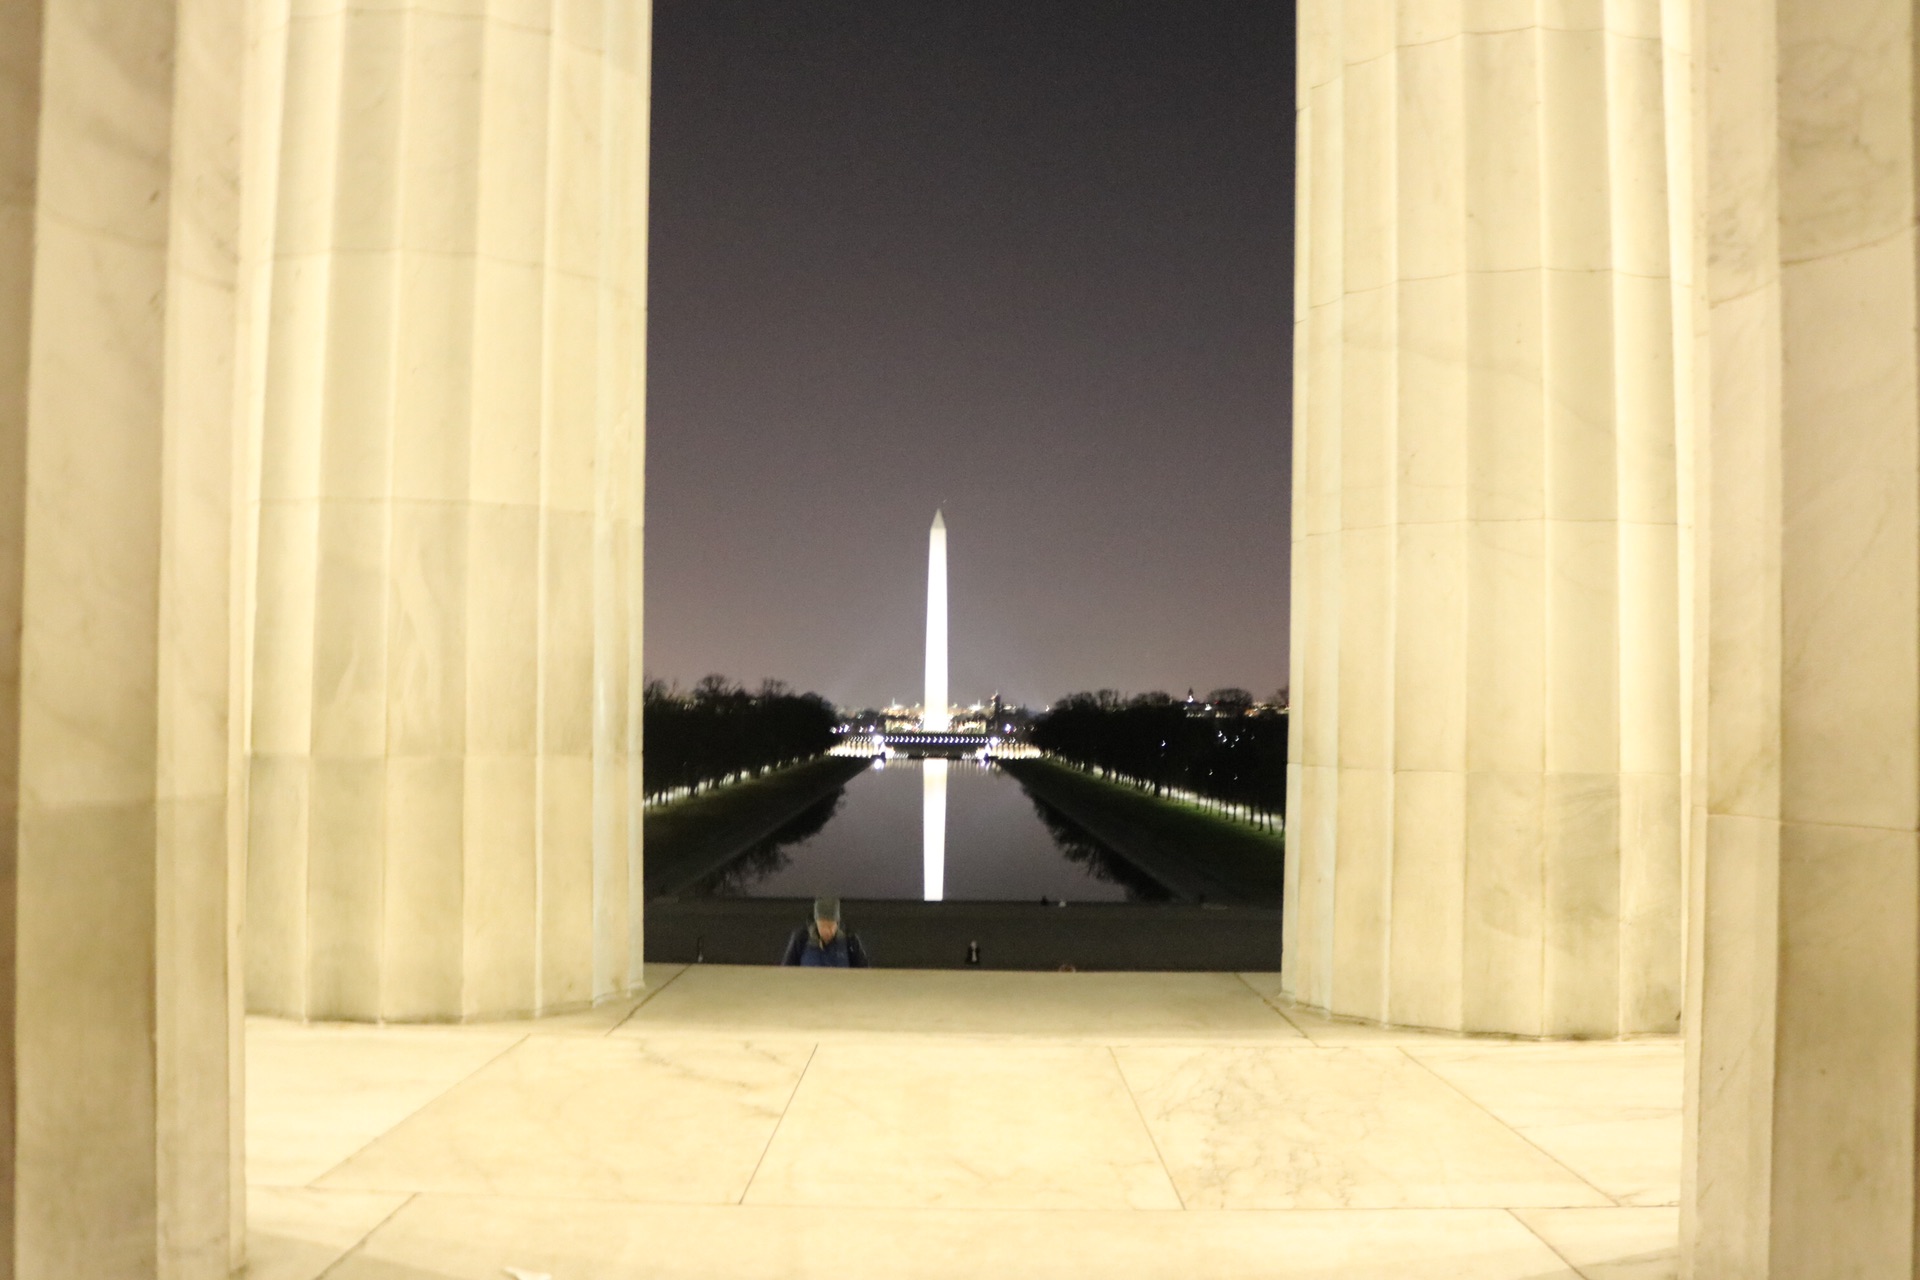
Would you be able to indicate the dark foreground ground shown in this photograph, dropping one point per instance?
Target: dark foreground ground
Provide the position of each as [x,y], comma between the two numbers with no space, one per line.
[1008,935]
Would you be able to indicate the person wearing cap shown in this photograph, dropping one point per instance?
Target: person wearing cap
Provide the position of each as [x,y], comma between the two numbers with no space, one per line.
[823,944]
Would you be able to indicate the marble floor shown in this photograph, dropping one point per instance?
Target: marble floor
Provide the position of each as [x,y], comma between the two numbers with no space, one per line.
[755,1123]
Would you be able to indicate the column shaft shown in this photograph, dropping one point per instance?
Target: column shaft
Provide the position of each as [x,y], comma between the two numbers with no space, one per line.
[1805,931]
[118,213]
[1486,800]
[446,692]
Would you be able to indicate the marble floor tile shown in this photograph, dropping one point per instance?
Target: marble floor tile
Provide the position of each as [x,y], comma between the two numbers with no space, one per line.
[297,1233]
[963,1125]
[1320,1029]
[443,1238]
[1104,1007]
[1612,1244]
[317,1094]
[1611,1112]
[611,1117]
[601,1018]
[1261,1128]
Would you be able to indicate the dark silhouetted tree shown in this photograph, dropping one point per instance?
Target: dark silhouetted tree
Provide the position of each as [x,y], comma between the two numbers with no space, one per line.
[1233,752]
[721,731]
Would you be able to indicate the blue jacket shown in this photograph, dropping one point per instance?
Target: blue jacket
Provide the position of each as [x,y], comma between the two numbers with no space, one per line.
[804,948]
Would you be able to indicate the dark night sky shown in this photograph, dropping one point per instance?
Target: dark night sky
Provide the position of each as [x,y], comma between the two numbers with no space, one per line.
[1026,259]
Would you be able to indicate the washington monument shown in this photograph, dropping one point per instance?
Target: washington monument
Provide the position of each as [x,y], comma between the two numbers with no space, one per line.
[935,715]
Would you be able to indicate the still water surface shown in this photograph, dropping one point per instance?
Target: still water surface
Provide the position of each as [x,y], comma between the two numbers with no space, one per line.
[933,829]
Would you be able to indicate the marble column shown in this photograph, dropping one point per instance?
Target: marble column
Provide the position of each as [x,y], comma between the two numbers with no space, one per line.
[1804,973]
[118,176]
[1485,788]
[445,698]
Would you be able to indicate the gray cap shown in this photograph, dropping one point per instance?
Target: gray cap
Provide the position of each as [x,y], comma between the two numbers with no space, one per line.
[827,909]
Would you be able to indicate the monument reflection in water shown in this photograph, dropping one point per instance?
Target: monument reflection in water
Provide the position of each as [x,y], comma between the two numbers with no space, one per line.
[933,830]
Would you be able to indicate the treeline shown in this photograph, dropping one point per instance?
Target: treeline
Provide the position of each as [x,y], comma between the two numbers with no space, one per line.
[720,732]
[1227,752]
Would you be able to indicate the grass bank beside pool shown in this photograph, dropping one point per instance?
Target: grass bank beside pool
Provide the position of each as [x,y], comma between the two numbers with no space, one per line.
[690,838]
[1192,852]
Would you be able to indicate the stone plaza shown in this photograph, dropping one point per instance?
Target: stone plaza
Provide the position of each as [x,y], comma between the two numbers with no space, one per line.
[759,1123]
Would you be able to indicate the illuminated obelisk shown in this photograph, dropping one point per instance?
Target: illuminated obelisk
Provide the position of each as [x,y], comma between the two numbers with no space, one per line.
[936,717]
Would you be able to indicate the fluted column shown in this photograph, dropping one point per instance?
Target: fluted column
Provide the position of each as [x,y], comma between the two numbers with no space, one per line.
[1485,808]
[119,1134]
[445,700]
[1804,981]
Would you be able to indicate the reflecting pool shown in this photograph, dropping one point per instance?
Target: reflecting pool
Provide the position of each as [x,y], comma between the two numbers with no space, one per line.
[933,830]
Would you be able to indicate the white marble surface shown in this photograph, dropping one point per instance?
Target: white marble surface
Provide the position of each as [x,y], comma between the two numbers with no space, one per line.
[1333,1128]
[1806,918]
[881,1002]
[1609,1112]
[1488,602]
[297,1233]
[949,1129]
[450,425]
[118,218]
[964,1127]
[1321,1028]
[316,1095]
[438,1238]
[1611,1244]
[593,1118]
